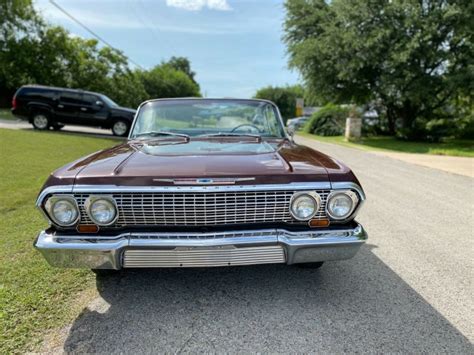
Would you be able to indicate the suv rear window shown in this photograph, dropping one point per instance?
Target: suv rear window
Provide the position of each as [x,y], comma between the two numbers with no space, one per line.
[36,93]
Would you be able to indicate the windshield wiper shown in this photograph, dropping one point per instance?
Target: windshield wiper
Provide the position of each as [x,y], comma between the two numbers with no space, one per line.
[162,133]
[231,134]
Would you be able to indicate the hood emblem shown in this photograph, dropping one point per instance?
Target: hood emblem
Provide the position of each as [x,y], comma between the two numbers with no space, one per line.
[206,181]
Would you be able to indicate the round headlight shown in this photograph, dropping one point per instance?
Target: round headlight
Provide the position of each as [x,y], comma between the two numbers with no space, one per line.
[303,206]
[101,210]
[341,204]
[62,210]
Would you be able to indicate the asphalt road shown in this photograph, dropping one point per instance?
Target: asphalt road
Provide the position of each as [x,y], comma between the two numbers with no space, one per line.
[408,290]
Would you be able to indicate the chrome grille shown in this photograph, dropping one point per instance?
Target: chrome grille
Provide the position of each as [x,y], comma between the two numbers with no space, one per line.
[202,208]
[203,257]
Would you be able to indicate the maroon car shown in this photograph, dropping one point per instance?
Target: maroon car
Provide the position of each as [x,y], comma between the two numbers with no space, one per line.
[199,183]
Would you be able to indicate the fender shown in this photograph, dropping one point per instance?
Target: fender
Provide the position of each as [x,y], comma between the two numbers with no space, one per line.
[32,106]
[42,107]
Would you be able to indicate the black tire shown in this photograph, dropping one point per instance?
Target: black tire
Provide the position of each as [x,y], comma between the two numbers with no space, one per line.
[311,265]
[105,272]
[120,128]
[40,121]
[57,126]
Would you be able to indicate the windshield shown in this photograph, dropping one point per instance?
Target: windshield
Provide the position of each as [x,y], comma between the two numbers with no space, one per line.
[108,101]
[208,117]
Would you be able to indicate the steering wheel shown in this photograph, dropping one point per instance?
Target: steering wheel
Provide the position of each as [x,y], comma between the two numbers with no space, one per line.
[255,128]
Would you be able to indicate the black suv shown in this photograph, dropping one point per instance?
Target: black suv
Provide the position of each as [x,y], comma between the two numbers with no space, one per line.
[46,107]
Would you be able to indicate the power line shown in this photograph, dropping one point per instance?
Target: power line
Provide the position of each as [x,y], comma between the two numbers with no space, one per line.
[91,32]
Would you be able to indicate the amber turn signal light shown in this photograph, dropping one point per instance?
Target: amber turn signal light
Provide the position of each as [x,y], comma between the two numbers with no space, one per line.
[87,228]
[315,223]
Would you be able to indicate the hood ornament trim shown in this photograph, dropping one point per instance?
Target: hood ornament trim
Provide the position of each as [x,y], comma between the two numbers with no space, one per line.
[205,181]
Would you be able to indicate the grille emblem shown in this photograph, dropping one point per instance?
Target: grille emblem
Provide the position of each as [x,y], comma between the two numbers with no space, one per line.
[206,181]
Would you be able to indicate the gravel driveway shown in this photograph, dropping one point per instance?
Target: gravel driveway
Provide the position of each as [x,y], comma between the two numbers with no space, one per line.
[408,290]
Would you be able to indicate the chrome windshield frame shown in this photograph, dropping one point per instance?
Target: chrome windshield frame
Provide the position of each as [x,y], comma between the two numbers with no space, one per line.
[275,107]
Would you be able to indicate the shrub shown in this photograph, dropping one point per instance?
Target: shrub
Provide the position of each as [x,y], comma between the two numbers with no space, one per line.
[439,129]
[328,121]
[466,127]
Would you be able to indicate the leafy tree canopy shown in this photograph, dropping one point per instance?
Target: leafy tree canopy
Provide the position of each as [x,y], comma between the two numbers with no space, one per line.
[411,57]
[165,81]
[182,64]
[33,52]
[284,97]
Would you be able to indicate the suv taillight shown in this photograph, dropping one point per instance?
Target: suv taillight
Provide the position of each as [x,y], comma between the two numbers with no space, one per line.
[14,102]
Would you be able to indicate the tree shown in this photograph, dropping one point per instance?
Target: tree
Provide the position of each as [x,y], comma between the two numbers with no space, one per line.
[164,81]
[284,97]
[32,52]
[182,64]
[17,17]
[411,57]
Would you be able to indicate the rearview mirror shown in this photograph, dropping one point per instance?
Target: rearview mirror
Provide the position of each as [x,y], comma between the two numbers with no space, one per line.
[99,103]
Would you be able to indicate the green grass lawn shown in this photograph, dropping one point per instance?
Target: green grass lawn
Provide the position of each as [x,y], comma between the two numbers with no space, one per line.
[462,148]
[34,297]
[5,114]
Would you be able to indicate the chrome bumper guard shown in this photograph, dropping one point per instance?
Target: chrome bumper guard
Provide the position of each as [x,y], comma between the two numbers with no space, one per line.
[132,250]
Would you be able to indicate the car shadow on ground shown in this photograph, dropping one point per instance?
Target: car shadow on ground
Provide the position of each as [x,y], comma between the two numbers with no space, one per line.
[357,305]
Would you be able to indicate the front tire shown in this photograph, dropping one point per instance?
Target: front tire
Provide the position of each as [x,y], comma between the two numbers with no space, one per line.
[40,121]
[120,128]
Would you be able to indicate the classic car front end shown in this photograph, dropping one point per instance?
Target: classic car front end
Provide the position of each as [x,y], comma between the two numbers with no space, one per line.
[201,183]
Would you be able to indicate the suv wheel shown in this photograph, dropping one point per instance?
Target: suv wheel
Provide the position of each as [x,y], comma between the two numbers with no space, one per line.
[120,128]
[40,121]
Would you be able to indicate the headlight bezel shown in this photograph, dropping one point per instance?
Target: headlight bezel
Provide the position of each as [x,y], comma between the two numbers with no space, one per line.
[49,209]
[94,198]
[314,196]
[355,202]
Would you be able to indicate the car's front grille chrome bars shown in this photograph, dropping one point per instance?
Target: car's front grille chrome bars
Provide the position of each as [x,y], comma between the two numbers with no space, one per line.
[202,208]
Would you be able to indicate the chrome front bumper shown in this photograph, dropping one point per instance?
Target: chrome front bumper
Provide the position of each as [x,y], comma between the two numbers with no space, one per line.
[131,250]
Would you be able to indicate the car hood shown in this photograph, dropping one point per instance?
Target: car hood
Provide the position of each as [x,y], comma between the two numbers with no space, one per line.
[161,161]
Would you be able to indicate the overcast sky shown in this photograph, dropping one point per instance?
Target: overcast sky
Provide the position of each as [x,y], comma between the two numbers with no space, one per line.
[234,45]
